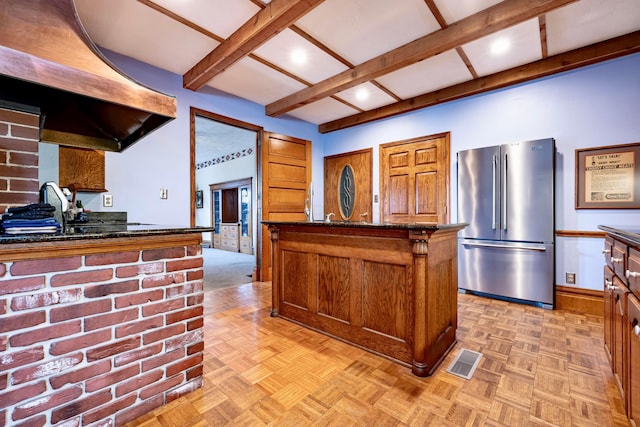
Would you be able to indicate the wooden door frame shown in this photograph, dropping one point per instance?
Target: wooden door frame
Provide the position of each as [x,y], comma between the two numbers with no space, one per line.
[193,112]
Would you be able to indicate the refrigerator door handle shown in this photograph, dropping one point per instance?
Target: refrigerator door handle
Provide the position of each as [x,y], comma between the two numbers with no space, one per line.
[493,204]
[504,195]
[540,248]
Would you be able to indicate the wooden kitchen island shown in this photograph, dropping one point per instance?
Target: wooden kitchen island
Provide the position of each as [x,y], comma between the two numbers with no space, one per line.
[388,288]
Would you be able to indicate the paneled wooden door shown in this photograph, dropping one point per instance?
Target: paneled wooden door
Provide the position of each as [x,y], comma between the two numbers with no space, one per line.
[414,180]
[286,176]
[360,192]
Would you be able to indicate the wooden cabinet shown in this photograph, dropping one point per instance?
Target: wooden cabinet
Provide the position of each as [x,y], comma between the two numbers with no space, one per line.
[622,315]
[81,169]
[633,335]
[232,216]
[229,237]
[391,289]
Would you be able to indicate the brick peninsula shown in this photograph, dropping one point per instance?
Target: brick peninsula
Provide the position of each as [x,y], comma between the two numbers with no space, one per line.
[99,325]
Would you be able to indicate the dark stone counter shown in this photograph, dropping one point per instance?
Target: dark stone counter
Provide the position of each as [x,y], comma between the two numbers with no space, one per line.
[629,234]
[106,230]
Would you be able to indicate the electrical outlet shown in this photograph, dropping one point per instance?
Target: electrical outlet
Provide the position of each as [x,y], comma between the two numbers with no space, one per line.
[107,200]
[164,193]
[570,278]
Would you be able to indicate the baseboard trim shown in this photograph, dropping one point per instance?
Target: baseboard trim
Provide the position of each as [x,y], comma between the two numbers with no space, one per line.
[586,301]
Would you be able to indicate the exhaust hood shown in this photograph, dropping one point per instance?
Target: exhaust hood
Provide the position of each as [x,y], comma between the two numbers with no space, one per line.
[50,65]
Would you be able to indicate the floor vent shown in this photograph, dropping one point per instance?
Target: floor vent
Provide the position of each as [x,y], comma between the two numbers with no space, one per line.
[465,363]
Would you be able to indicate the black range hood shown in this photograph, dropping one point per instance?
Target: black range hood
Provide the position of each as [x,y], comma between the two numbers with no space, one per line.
[48,63]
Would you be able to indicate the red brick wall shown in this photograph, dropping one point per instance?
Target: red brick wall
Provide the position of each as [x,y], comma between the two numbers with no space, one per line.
[99,338]
[19,136]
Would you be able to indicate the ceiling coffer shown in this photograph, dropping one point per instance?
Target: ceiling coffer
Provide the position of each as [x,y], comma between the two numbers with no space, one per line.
[48,62]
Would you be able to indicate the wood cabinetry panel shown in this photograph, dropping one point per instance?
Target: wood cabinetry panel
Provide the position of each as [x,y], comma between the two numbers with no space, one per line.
[81,169]
[426,194]
[399,195]
[426,156]
[287,147]
[372,286]
[633,271]
[334,287]
[634,360]
[286,199]
[399,159]
[414,180]
[608,312]
[295,283]
[292,174]
[385,299]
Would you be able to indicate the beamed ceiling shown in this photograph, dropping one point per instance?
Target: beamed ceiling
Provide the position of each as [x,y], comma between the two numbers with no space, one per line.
[341,63]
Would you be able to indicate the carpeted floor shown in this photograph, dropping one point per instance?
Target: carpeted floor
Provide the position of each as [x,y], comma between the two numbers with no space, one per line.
[223,268]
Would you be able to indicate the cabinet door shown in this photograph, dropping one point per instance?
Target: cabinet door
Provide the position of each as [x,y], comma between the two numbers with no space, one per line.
[633,271]
[619,258]
[620,294]
[608,313]
[634,359]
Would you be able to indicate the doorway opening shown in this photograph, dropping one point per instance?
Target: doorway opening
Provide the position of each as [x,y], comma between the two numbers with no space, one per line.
[225,150]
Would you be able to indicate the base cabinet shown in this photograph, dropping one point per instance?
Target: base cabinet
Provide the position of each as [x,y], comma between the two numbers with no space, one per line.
[622,316]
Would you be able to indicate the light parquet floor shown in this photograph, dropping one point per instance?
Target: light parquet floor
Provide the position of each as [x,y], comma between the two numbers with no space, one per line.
[539,368]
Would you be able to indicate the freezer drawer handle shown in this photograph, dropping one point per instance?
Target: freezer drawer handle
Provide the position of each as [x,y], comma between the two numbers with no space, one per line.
[489,245]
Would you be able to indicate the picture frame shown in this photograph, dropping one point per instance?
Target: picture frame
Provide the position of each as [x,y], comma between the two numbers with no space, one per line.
[199,199]
[608,177]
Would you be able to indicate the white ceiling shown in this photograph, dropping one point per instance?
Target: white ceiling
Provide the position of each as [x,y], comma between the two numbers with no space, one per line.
[340,35]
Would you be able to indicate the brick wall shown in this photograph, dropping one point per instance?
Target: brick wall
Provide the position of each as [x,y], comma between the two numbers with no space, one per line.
[99,339]
[19,136]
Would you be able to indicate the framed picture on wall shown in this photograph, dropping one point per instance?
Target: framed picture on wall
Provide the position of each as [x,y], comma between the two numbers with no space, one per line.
[199,197]
[608,177]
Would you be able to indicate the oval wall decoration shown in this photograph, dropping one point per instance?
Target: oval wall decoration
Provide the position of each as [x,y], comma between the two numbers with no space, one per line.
[347,191]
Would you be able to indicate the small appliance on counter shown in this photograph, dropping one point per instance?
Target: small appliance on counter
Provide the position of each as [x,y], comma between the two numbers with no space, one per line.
[52,194]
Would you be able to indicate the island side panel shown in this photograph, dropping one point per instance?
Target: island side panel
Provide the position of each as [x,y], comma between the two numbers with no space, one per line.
[354,287]
[102,330]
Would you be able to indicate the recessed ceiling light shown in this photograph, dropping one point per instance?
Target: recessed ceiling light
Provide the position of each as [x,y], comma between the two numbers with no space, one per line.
[299,56]
[500,46]
[362,94]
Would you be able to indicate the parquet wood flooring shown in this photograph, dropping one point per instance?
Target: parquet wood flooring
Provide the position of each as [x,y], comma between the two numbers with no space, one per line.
[539,368]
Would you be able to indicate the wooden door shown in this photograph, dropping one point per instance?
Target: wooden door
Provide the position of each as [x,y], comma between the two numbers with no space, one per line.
[414,180]
[286,176]
[356,193]
[634,360]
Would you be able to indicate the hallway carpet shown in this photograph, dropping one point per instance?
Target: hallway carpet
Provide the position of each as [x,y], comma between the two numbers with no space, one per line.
[223,268]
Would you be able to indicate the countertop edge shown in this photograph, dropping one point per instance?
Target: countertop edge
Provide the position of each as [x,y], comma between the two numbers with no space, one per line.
[355,224]
[628,235]
[131,231]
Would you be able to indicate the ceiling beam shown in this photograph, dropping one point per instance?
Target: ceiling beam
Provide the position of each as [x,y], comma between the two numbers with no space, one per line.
[275,17]
[503,15]
[609,49]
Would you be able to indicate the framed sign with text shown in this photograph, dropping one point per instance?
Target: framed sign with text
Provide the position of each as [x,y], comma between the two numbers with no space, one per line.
[608,177]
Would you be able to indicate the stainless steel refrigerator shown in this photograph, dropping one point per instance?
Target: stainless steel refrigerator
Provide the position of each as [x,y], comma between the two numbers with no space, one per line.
[506,195]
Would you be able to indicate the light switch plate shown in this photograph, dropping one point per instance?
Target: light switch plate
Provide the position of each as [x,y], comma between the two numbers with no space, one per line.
[164,193]
[107,200]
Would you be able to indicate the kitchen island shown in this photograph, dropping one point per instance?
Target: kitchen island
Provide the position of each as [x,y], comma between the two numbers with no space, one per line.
[100,324]
[388,288]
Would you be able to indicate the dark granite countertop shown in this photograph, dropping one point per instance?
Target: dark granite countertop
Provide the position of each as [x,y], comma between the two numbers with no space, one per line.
[103,230]
[360,224]
[631,234]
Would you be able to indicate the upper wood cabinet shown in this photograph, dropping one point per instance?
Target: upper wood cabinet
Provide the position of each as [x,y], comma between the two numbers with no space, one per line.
[81,169]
